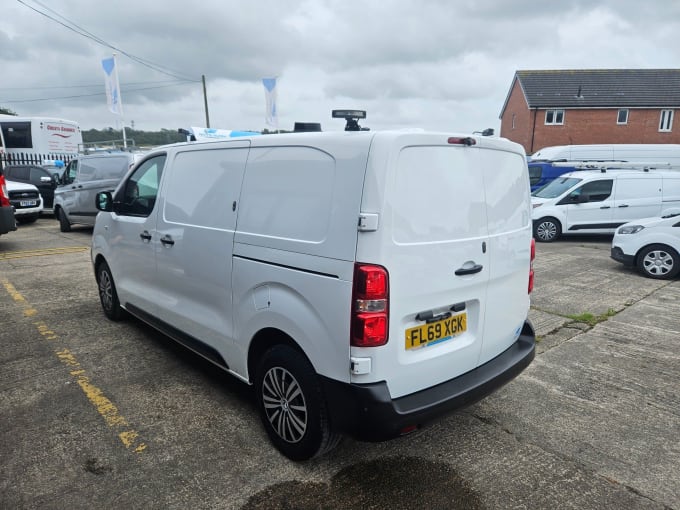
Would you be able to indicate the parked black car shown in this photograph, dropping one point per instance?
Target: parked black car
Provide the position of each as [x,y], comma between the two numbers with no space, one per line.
[45,178]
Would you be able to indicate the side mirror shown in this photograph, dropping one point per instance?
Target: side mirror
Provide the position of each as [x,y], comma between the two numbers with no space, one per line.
[583,198]
[104,201]
[45,179]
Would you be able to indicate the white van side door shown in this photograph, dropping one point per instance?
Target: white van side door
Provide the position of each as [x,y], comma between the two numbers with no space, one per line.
[131,231]
[196,224]
[637,197]
[589,207]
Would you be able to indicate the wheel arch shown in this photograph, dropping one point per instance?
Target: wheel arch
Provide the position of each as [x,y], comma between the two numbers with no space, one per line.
[264,340]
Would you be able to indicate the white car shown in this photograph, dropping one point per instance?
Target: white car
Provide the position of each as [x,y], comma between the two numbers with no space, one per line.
[26,199]
[650,244]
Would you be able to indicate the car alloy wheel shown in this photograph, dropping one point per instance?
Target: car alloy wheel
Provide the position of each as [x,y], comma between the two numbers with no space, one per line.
[291,404]
[107,293]
[284,404]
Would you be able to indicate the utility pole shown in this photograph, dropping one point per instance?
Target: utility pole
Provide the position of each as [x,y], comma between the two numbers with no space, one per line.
[205,102]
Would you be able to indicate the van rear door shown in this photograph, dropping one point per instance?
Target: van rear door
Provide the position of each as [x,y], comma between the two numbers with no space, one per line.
[455,228]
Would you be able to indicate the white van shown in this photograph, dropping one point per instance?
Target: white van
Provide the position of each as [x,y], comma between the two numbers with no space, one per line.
[630,152]
[597,202]
[363,282]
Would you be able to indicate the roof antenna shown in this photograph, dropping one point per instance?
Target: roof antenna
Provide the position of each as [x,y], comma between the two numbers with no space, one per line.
[578,94]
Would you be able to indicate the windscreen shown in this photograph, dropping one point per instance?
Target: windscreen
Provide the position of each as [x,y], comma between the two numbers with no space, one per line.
[556,187]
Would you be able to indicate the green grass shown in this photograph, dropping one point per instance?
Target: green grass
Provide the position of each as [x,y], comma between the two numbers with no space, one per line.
[590,319]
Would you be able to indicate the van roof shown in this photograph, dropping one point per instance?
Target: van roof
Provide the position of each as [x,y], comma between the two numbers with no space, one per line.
[310,138]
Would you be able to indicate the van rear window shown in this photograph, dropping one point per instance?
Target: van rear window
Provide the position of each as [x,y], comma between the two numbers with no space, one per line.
[449,193]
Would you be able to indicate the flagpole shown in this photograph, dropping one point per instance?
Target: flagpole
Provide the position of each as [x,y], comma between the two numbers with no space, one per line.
[120,100]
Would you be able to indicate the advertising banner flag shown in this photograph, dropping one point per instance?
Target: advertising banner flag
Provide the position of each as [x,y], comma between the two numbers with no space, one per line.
[271,116]
[112,85]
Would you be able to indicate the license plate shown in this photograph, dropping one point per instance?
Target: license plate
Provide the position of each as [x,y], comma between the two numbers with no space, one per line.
[435,332]
[28,203]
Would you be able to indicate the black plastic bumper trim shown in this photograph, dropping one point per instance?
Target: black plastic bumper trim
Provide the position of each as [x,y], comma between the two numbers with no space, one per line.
[367,412]
[618,255]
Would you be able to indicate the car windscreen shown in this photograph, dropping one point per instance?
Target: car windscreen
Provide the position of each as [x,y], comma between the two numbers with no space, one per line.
[556,187]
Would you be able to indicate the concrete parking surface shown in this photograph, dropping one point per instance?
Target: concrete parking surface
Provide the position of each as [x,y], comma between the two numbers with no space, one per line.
[97,414]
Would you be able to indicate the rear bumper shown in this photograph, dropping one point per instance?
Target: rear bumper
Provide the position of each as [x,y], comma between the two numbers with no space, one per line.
[367,412]
[618,255]
[7,221]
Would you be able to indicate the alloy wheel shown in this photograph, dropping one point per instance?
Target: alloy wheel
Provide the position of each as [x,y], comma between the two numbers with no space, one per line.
[284,404]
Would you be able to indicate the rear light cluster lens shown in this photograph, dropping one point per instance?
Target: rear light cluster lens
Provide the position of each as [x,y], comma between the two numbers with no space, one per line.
[370,306]
[4,197]
[531,265]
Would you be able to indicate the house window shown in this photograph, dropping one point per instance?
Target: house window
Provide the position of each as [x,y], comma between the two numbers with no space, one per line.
[622,118]
[554,117]
[666,120]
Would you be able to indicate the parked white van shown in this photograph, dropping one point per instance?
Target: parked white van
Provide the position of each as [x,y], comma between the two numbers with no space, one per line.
[631,152]
[597,202]
[363,282]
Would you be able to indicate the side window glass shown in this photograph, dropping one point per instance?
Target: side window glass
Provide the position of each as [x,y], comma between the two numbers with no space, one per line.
[597,191]
[20,173]
[71,172]
[37,173]
[138,196]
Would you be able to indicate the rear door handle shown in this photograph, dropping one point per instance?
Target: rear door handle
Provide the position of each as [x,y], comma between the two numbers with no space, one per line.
[604,207]
[145,236]
[469,270]
[622,206]
[167,240]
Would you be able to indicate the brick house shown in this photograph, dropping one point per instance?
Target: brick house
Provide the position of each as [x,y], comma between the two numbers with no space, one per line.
[545,108]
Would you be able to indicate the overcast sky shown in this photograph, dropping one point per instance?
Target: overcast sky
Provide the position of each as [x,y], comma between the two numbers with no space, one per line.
[443,65]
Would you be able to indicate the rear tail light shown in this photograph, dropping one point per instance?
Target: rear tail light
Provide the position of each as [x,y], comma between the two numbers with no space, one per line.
[370,306]
[4,197]
[531,265]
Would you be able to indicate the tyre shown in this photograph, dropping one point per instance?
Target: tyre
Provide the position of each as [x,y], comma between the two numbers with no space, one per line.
[547,230]
[107,293]
[291,405]
[64,224]
[658,261]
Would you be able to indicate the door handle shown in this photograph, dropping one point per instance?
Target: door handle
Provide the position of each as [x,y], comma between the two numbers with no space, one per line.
[166,240]
[605,207]
[622,206]
[145,236]
[469,270]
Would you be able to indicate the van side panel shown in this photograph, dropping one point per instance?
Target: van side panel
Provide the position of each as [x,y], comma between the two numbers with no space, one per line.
[637,197]
[275,289]
[295,244]
[303,199]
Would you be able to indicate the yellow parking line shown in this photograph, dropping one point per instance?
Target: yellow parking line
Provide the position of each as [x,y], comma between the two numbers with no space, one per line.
[104,406]
[42,252]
